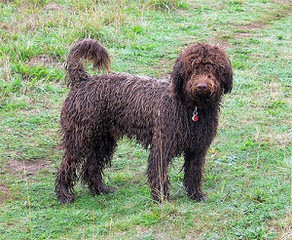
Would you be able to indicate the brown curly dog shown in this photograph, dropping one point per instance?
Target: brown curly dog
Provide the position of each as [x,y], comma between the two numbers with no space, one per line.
[174,117]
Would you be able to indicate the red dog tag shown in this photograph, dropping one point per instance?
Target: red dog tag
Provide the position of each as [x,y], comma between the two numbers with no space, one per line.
[195,118]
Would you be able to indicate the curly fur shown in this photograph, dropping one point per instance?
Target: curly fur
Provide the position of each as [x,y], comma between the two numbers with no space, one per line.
[102,108]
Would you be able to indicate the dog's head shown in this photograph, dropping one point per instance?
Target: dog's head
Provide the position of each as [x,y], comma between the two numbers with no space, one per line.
[202,71]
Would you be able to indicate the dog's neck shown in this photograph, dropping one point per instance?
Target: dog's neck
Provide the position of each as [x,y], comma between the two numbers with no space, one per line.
[202,104]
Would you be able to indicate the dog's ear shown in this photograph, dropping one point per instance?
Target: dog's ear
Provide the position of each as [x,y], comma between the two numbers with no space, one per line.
[228,78]
[177,78]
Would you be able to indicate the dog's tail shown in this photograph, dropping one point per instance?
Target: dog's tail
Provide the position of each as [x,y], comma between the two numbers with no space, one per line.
[88,49]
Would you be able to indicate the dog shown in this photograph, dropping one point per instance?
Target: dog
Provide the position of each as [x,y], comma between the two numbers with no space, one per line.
[174,117]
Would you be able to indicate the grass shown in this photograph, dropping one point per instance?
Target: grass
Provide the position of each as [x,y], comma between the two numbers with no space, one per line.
[247,177]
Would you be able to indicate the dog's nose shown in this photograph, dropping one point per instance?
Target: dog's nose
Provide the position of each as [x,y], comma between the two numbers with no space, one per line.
[202,86]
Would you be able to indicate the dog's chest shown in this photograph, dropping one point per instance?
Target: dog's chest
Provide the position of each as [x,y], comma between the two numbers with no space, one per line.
[197,132]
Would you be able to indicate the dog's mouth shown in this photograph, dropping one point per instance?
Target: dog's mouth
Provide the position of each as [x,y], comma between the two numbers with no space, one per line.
[205,95]
[200,92]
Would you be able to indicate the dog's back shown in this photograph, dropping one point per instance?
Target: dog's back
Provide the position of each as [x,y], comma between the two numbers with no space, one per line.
[100,101]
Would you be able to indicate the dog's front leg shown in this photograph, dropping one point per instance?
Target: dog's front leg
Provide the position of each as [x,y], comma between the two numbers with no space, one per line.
[158,162]
[193,169]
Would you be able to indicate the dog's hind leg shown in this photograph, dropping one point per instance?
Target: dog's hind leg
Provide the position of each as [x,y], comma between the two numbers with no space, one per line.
[96,160]
[66,178]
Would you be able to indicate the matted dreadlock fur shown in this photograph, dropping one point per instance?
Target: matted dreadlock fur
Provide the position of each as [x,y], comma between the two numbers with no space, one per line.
[174,117]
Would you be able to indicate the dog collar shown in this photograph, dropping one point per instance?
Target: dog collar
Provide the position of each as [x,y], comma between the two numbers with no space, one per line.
[195,116]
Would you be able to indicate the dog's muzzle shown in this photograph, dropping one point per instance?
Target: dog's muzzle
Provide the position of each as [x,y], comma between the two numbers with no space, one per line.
[201,89]
[201,86]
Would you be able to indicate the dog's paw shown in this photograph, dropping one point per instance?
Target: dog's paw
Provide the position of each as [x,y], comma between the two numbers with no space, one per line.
[66,199]
[198,196]
[101,189]
[158,198]
[105,190]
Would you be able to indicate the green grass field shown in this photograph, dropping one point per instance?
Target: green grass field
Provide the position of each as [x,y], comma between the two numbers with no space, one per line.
[248,170]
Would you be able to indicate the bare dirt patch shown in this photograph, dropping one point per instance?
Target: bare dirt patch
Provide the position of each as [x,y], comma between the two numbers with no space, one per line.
[26,168]
[282,227]
[53,6]
[251,26]
[217,5]
[265,21]
[223,45]
[4,193]
[220,43]
[45,61]
[274,138]
[282,2]
[243,35]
